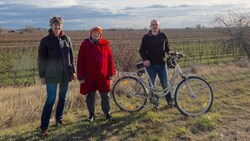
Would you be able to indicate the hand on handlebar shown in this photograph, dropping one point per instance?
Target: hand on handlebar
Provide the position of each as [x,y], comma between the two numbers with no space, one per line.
[177,54]
[172,53]
[146,63]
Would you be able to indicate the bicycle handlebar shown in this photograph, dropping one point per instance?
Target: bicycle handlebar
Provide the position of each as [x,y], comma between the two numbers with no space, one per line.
[176,55]
[139,65]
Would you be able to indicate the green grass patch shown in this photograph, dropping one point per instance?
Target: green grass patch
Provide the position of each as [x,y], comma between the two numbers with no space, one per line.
[205,123]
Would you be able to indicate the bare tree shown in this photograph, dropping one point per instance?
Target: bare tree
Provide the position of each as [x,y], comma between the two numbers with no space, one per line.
[236,25]
[198,26]
[29,28]
[1,30]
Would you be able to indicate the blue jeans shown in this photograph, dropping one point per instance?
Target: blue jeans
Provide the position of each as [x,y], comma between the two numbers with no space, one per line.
[51,96]
[162,73]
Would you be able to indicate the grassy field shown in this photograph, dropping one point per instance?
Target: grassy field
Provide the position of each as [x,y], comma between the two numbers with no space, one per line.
[18,59]
[228,119]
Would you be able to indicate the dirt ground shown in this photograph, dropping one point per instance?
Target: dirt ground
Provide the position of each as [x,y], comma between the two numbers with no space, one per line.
[236,128]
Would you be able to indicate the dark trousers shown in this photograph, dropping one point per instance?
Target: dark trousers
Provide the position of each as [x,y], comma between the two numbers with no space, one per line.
[51,96]
[91,98]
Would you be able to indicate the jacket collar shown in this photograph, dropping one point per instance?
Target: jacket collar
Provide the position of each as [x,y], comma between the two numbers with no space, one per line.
[100,42]
[93,41]
[151,35]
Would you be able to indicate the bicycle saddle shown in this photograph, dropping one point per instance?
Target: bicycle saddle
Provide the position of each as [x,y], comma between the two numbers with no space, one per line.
[139,65]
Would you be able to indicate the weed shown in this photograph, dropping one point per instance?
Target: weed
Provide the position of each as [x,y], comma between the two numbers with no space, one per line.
[204,123]
[182,132]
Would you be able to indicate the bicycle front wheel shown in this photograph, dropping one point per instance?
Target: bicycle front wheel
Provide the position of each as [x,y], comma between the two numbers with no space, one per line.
[193,96]
[129,94]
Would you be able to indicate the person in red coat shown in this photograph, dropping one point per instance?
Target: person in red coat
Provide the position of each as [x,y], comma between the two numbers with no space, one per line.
[95,68]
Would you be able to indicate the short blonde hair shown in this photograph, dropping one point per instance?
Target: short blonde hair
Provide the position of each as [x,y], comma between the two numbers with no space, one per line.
[55,19]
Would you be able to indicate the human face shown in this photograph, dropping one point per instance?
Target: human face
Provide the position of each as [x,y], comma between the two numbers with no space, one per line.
[57,28]
[154,26]
[96,35]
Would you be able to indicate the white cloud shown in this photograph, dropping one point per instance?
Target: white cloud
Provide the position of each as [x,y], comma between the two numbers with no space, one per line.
[80,14]
[119,4]
[42,3]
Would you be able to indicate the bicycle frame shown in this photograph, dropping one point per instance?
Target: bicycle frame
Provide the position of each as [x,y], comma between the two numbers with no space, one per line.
[177,71]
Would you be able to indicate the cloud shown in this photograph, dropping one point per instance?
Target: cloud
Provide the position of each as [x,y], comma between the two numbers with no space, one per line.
[157,6]
[41,3]
[39,17]
[79,14]
[184,5]
[177,16]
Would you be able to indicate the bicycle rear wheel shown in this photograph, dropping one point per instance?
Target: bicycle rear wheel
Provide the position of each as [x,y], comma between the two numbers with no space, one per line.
[129,94]
[193,96]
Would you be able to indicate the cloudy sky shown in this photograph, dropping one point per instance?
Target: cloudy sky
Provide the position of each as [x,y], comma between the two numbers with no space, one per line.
[83,14]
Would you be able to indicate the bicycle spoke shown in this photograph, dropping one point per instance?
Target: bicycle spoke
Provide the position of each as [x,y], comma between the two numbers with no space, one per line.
[129,94]
[194,96]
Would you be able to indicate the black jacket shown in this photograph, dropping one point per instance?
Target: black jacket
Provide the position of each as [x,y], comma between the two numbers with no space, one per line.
[55,58]
[154,47]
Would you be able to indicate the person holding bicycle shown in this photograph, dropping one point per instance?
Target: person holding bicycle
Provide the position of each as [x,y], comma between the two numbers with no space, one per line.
[95,68]
[153,47]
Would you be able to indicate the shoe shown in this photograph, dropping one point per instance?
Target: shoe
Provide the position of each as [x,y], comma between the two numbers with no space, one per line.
[156,106]
[171,103]
[60,122]
[91,118]
[109,117]
[44,132]
[169,100]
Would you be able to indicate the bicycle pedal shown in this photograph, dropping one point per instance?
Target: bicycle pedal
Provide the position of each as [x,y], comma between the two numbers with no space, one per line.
[171,104]
[155,108]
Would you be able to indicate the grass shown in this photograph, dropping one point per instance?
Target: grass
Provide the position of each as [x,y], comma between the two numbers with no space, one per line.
[20,110]
[204,123]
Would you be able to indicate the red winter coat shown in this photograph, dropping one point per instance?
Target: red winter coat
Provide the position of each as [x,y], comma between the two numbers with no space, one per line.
[95,64]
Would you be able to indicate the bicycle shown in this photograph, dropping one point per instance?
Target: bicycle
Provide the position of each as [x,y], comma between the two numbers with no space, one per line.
[192,95]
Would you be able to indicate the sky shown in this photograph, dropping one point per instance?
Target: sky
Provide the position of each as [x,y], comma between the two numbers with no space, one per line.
[84,14]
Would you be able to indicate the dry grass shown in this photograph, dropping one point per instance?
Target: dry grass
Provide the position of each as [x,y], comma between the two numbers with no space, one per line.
[20,105]
[23,105]
[220,75]
[21,108]
[223,68]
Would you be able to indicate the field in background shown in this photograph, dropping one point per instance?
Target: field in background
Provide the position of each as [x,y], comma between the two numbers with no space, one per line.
[18,59]
[228,119]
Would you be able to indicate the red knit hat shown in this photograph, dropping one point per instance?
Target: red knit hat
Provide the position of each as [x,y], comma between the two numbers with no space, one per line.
[96,28]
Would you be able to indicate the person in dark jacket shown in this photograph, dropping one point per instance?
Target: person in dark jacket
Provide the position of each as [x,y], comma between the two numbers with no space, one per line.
[153,48]
[95,67]
[55,65]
